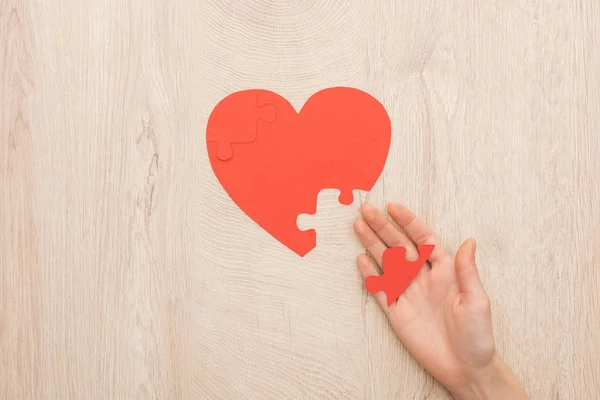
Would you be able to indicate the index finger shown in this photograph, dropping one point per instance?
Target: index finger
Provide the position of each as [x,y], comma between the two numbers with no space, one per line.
[418,231]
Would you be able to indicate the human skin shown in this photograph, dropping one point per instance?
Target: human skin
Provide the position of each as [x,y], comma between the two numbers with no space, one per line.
[443,318]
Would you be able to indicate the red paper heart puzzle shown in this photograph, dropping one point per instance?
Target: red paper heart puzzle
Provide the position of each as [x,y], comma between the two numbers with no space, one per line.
[273,161]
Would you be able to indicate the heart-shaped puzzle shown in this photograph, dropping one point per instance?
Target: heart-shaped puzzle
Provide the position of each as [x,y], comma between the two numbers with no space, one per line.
[273,161]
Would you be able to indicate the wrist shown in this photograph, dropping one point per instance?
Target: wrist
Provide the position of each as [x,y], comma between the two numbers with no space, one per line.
[494,381]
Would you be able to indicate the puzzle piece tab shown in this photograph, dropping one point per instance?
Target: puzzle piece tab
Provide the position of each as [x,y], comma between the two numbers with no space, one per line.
[237,119]
[398,272]
[346,197]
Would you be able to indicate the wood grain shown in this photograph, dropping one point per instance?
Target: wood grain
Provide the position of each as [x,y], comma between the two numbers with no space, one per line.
[126,272]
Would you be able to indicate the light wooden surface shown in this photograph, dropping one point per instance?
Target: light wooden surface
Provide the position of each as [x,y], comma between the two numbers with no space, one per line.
[126,272]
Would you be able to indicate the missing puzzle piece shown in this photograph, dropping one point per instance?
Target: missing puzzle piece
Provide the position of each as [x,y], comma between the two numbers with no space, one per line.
[330,217]
[237,120]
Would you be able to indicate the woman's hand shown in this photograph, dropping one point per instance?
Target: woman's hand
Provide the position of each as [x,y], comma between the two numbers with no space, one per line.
[443,318]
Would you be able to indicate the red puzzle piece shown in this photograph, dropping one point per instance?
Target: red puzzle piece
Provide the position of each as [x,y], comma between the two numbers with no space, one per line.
[339,139]
[398,273]
[252,109]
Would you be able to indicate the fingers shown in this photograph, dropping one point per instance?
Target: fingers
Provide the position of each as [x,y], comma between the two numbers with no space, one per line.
[388,233]
[367,269]
[467,276]
[370,240]
[418,231]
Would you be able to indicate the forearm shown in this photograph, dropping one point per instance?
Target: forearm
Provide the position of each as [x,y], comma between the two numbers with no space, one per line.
[496,382]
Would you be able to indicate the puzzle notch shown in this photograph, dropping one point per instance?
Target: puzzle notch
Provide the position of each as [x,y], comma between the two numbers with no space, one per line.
[329,209]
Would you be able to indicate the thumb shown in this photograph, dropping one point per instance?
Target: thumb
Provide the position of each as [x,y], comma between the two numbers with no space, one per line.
[467,276]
